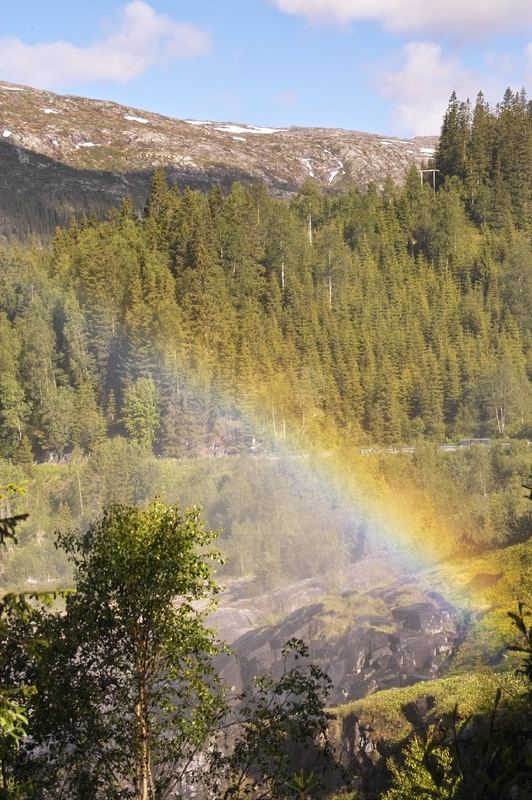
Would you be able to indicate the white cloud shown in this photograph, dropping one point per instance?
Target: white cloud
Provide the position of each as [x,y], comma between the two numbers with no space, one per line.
[437,16]
[420,89]
[420,86]
[142,39]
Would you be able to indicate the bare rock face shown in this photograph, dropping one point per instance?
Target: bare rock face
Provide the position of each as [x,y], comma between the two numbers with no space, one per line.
[360,661]
[116,148]
[366,638]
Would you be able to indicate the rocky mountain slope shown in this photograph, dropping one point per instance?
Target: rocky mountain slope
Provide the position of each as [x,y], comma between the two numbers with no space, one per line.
[379,627]
[60,154]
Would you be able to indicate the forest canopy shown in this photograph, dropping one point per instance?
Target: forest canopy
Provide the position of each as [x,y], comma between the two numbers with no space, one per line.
[214,321]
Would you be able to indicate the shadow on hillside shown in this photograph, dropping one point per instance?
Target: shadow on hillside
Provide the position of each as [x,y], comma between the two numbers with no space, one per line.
[38,193]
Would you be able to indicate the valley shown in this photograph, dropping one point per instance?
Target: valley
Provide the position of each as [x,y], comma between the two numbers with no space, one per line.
[263,385]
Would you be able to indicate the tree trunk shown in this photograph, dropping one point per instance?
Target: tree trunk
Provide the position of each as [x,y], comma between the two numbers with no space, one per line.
[501,419]
[144,784]
[81,509]
[330,280]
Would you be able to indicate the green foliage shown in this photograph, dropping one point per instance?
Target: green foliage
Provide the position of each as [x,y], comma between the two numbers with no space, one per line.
[489,151]
[426,774]
[125,689]
[216,325]
[355,795]
[472,691]
[476,757]
[217,320]
[473,497]
[467,759]
[303,785]
[13,718]
[14,611]
[277,724]
[141,414]
[125,701]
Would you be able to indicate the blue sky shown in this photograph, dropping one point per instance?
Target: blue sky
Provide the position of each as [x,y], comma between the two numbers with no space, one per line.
[386,66]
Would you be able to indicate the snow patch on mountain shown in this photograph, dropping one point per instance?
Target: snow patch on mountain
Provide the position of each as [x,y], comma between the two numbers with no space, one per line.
[247,129]
[131,118]
[306,163]
[339,165]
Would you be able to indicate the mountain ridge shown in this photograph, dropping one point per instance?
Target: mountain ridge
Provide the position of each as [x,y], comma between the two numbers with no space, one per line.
[117,147]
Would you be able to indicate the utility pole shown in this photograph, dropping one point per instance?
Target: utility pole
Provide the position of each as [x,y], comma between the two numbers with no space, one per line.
[433,171]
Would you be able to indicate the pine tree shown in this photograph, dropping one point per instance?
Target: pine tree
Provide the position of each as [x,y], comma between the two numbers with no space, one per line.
[479,159]
[450,157]
[141,411]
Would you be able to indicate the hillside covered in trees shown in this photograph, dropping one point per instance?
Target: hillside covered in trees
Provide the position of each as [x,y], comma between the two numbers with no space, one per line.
[295,335]
[219,323]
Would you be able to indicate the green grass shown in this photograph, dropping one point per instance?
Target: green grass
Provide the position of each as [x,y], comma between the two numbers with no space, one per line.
[340,613]
[473,692]
[492,629]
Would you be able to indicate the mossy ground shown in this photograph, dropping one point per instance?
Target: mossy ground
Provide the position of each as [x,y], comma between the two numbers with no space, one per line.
[473,693]
[481,666]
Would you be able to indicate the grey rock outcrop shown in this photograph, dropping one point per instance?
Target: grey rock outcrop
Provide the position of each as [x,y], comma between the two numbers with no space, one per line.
[363,651]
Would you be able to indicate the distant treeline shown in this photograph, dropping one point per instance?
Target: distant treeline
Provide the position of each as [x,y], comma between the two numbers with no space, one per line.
[490,151]
[282,518]
[225,323]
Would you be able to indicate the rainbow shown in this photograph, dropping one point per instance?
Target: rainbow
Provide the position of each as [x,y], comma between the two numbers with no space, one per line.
[403,524]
